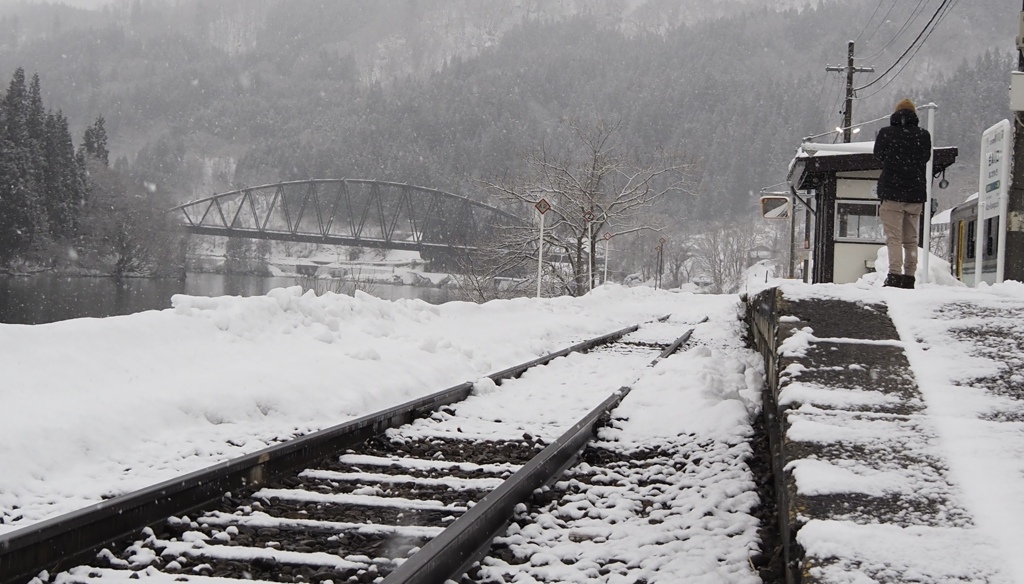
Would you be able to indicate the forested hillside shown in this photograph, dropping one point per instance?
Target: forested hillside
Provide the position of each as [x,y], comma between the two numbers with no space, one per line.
[62,208]
[200,95]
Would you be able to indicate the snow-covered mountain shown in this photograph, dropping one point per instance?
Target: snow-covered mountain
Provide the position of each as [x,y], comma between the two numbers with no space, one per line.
[386,38]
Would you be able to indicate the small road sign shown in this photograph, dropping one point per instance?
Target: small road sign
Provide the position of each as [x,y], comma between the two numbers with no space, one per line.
[588,216]
[607,235]
[543,206]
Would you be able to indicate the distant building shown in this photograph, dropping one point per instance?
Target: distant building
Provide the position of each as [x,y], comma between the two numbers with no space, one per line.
[758,253]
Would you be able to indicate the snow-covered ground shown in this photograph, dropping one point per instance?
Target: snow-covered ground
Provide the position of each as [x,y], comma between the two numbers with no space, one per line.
[97,407]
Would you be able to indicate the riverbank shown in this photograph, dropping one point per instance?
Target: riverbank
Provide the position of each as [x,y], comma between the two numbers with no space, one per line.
[400,273]
[405,270]
[28,269]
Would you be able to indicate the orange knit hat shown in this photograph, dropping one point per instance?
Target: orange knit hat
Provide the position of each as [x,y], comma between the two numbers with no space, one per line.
[906,104]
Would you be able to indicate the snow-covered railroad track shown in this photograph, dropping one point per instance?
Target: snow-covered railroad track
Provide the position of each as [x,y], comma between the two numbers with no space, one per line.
[363,515]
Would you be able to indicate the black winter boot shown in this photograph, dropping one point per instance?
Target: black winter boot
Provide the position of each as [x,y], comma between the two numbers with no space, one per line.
[907,282]
[893,281]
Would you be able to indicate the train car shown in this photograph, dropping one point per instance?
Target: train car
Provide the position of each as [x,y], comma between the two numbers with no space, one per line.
[963,237]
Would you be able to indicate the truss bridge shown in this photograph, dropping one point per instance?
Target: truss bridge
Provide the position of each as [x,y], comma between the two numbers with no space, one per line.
[349,212]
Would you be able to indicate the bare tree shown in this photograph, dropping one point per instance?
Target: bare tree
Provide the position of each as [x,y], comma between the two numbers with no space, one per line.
[487,275]
[126,229]
[723,252]
[678,261]
[594,186]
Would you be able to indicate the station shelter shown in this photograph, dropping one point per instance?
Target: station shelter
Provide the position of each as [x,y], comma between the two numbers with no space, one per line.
[843,230]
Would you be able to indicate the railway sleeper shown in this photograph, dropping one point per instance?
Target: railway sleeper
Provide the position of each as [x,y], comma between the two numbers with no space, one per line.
[347,520]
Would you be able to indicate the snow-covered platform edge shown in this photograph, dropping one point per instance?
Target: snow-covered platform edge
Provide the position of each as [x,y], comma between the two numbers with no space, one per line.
[863,487]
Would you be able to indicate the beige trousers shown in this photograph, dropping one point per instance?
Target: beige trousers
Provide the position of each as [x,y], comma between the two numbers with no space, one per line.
[900,222]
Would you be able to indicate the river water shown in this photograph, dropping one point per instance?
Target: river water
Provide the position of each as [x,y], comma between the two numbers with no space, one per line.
[50,298]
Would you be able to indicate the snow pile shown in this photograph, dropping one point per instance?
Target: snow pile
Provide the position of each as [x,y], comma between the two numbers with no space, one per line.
[938,270]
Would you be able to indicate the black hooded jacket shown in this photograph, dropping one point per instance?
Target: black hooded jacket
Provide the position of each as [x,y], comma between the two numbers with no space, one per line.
[904,149]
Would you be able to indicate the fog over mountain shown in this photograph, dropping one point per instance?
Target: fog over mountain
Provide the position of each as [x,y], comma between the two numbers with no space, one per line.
[87,4]
[202,95]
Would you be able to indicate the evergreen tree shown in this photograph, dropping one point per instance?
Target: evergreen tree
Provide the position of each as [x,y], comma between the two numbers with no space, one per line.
[65,189]
[35,122]
[12,234]
[42,181]
[36,163]
[20,205]
[95,141]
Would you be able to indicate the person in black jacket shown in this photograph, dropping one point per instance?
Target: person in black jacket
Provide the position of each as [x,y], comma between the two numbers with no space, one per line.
[904,148]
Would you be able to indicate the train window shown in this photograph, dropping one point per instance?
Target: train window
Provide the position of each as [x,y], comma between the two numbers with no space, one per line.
[858,221]
[972,237]
[991,236]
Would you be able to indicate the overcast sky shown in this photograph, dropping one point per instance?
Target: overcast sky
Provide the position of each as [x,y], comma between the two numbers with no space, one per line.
[79,3]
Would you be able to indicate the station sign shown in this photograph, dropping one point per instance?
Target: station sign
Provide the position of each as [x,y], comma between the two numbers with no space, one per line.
[993,193]
[995,168]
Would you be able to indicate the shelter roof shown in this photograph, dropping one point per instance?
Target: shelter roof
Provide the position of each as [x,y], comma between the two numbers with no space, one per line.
[813,162]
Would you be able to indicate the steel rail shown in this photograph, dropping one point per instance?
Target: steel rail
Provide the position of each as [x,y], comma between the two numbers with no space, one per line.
[468,538]
[676,344]
[516,371]
[62,541]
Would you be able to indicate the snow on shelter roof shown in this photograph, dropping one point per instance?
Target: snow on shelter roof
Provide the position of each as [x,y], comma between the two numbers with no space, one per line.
[812,161]
[809,149]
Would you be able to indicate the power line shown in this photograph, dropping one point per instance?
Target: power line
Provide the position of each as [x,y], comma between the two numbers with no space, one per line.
[870,18]
[838,88]
[929,26]
[850,68]
[914,14]
[825,110]
[881,22]
[948,9]
[835,106]
[839,130]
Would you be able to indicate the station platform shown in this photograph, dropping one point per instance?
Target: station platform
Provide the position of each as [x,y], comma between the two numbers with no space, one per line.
[896,422]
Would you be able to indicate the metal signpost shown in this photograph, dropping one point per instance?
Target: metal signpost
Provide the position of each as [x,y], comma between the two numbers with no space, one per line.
[993,191]
[543,206]
[589,218]
[661,257]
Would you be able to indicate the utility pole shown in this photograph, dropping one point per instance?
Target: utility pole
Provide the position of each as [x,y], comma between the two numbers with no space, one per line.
[1013,267]
[850,70]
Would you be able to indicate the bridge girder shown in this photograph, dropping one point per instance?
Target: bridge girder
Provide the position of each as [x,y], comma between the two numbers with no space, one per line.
[350,212]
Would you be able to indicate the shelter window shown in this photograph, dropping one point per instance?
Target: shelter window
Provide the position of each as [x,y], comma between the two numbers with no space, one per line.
[858,221]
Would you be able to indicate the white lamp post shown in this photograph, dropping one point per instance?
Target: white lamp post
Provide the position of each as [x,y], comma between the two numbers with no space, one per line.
[926,237]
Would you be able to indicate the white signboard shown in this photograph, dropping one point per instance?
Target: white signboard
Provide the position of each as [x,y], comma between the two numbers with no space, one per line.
[993,191]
